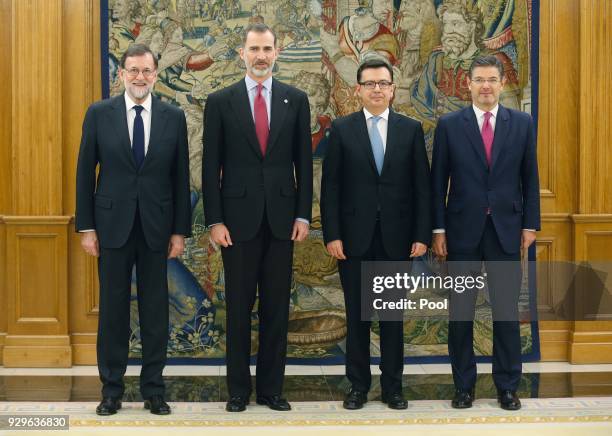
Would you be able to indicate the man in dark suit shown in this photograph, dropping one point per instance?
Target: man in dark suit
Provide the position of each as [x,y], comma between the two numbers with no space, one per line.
[257,183]
[137,213]
[493,210]
[375,205]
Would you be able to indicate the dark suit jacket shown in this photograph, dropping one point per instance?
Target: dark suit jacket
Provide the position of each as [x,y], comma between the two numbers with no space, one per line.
[352,191]
[510,189]
[238,182]
[160,188]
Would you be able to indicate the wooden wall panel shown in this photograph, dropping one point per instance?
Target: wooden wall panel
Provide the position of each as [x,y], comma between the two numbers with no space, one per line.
[81,46]
[36,231]
[6,189]
[37,107]
[558,114]
[37,301]
[595,107]
[557,158]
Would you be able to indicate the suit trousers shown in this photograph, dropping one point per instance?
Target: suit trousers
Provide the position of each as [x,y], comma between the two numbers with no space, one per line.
[358,331]
[504,283]
[259,267]
[115,266]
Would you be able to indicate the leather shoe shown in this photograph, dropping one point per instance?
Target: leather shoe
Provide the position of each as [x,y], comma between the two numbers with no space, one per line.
[355,399]
[395,401]
[463,399]
[108,406]
[274,402]
[237,403]
[157,405]
[508,400]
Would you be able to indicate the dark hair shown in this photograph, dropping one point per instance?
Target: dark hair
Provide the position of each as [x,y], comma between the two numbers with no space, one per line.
[137,50]
[373,63]
[257,28]
[487,61]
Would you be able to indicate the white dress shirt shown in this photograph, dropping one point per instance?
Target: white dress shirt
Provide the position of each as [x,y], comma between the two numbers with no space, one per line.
[382,124]
[480,116]
[145,114]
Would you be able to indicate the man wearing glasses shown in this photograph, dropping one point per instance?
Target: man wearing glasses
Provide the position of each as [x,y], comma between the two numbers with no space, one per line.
[375,206]
[135,214]
[484,157]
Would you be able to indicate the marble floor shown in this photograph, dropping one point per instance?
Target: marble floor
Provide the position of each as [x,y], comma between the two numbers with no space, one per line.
[200,383]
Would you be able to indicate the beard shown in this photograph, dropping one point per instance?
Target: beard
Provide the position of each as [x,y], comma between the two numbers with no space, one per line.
[137,92]
[455,44]
[259,72]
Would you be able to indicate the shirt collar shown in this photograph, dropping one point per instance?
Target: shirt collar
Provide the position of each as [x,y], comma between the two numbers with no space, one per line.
[384,115]
[129,103]
[250,83]
[480,113]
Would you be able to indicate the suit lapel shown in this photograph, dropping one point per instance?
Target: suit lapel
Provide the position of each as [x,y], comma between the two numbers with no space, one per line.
[242,108]
[502,128]
[473,133]
[280,105]
[360,129]
[118,118]
[158,125]
[392,138]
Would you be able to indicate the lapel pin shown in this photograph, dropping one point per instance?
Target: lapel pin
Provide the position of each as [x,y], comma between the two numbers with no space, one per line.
[286,101]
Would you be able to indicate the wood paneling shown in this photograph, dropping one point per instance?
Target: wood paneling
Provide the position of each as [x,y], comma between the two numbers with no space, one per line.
[595,192]
[558,88]
[81,47]
[6,184]
[37,107]
[37,303]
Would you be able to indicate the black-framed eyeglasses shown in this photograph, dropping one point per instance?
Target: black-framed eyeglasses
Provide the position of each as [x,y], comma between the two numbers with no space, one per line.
[371,84]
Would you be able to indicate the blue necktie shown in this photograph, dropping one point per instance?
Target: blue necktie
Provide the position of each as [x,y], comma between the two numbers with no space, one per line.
[138,139]
[377,144]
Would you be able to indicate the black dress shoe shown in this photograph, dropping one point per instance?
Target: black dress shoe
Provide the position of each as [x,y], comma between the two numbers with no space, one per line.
[355,399]
[108,406]
[274,402]
[508,400]
[463,399]
[395,401]
[157,405]
[237,403]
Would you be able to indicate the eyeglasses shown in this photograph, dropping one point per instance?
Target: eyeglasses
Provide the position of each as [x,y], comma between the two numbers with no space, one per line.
[134,72]
[371,84]
[481,81]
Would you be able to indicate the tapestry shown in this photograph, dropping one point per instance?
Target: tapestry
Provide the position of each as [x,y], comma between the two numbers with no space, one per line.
[429,43]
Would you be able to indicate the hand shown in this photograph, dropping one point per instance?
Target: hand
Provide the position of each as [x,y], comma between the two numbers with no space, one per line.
[300,231]
[335,249]
[176,246]
[527,238]
[219,234]
[418,249]
[439,245]
[89,242]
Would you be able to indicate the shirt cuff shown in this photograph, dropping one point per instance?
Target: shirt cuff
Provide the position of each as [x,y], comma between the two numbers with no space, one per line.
[439,231]
[87,230]
[530,230]
[212,225]
[302,220]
